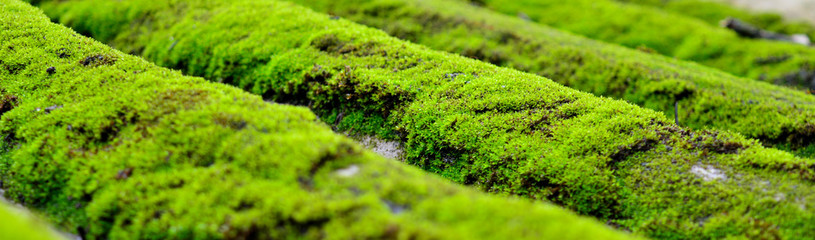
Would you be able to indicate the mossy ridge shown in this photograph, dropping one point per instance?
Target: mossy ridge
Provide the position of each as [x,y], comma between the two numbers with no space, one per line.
[779,117]
[112,147]
[713,12]
[498,129]
[705,97]
[688,38]
[19,226]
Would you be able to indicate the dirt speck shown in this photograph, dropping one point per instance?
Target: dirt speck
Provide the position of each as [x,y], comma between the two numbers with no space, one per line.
[708,173]
[98,60]
[124,174]
[63,53]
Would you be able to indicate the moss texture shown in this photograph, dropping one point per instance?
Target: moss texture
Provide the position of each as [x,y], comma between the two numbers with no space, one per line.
[111,147]
[700,96]
[697,97]
[671,34]
[16,225]
[498,129]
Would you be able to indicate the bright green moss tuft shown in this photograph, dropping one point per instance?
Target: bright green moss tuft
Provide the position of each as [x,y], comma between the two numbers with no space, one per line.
[16,225]
[109,146]
[673,35]
[500,130]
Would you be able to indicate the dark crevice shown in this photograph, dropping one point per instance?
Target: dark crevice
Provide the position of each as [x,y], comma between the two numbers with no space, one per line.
[507,108]
[723,147]
[7,103]
[14,68]
[804,78]
[332,44]
[624,152]
[63,53]
[98,60]
[771,59]
[343,150]
[798,138]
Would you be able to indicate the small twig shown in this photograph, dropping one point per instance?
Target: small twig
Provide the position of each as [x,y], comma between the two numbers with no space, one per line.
[338,120]
[747,30]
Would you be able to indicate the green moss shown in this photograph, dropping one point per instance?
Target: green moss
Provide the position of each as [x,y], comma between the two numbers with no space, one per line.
[497,129]
[673,35]
[18,225]
[704,97]
[707,98]
[113,147]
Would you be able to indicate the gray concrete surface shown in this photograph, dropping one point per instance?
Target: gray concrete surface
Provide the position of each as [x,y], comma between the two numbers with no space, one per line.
[792,9]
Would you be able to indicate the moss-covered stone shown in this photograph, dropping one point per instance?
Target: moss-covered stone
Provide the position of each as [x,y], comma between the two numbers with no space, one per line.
[671,34]
[111,147]
[17,225]
[701,97]
[498,129]
[696,96]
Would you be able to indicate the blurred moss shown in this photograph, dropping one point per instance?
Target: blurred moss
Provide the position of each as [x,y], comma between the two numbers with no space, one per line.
[713,12]
[16,225]
[671,34]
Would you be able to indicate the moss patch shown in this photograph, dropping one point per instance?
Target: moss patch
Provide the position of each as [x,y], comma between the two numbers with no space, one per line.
[694,96]
[498,129]
[113,147]
[22,226]
[671,34]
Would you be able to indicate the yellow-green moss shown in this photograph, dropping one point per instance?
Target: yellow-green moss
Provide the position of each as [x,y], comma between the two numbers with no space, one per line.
[672,34]
[109,146]
[701,96]
[16,225]
[498,129]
